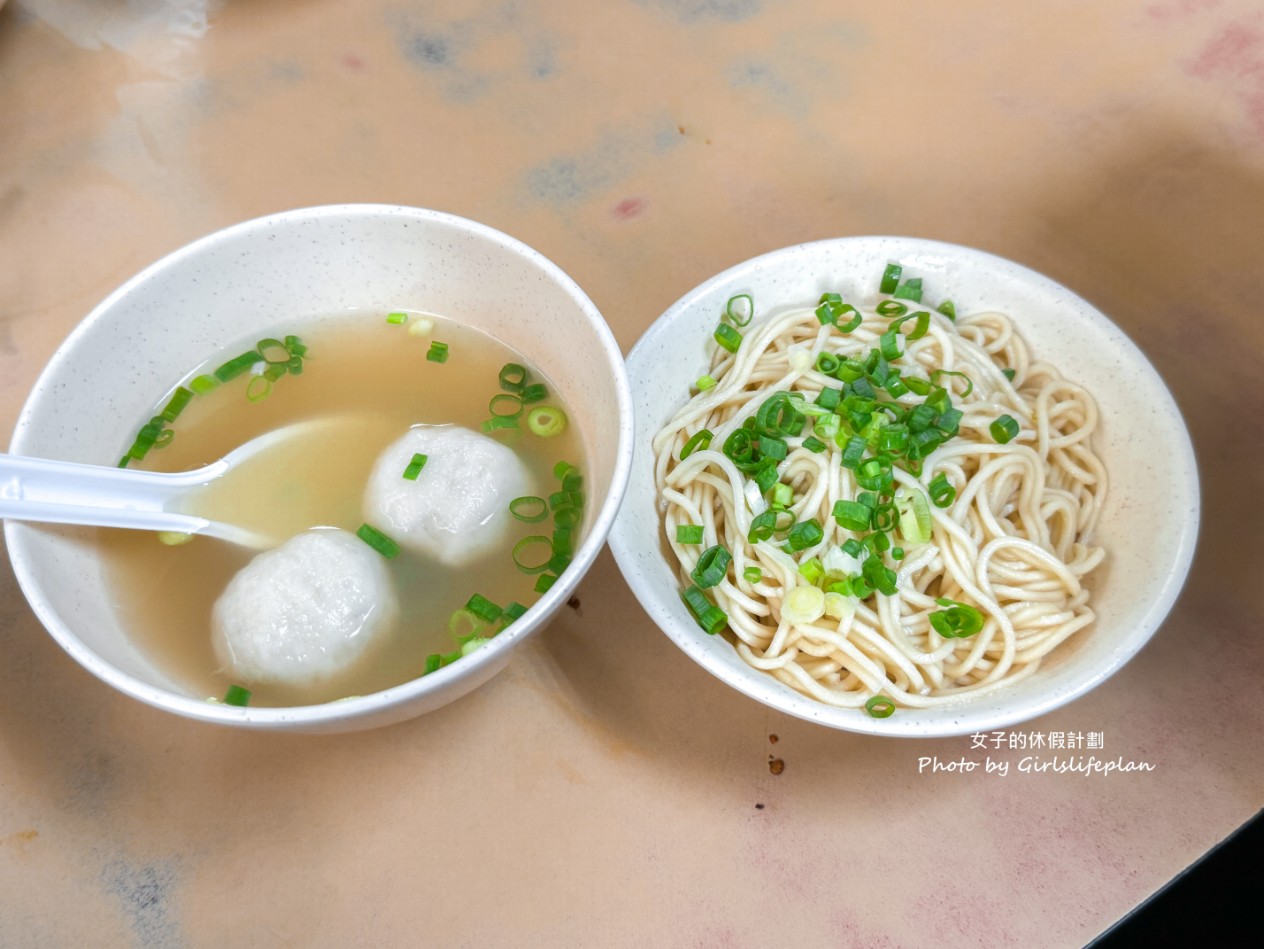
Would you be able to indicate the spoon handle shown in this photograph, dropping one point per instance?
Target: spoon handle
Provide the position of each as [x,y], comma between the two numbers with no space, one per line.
[64,492]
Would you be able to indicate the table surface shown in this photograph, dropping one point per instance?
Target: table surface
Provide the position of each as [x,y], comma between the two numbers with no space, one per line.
[604,790]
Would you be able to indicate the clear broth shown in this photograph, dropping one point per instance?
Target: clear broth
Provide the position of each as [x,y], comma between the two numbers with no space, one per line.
[376,374]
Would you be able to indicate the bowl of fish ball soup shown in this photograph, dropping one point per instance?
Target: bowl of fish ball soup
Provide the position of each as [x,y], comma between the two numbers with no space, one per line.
[428,432]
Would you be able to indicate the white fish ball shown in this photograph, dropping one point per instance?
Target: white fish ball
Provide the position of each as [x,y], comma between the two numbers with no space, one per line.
[305,611]
[457,510]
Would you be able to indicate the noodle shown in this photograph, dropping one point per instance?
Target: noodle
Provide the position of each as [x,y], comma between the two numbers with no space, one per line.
[1014,543]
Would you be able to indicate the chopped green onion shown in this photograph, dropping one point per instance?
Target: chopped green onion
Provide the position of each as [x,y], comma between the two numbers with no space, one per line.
[175,405]
[514,610]
[438,352]
[473,643]
[697,442]
[275,371]
[295,366]
[378,541]
[812,570]
[498,422]
[258,388]
[742,305]
[853,452]
[529,509]
[689,533]
[273,351]
[395,319]
[203,384]
[958,621]
[414,466]
[891,308]
[1003,429]
[855,321]
[237,365]
[483,608]
[910,289]
[852,515]
[889,343]
[540,561]
[465,623]
[934,377]
[727,337]
[880,707]
[544,582]
[711,566]
[1009,374]
[941,492]
[781,497]
[434,662]
[805,534]
[752,574]
[890,278]
[814,444]
[948,309]
[827,363]
[513,377]
[237,695]
[546,421]
[852,547]
[920,328]
[504,405]
[536,392]
[711,618]
[704,382]
[174,538]
[915,521]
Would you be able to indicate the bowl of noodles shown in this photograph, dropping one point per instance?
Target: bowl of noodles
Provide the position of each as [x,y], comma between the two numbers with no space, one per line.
[902,487]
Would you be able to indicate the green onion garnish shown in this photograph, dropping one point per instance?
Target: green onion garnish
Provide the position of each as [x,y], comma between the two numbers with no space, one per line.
[697,442]
[504,405]
[546,421]
[536,392]
[740,309]
[544,582]
[378,541]
[237,695]
[438,352]
[513,377]
[464,624]
[934,377]
[414,467]
[514,610]
[889,343]
[711,566]
[941,492]
[1009,374]
[920,328]
[533,562]
[752,574]
[1003,429]
[704,382]
[812,570]
[958,621]
[258,388]
[529,509]
[175,405]
[396,318]
[814,444]
[852,515]
[483,608]
[910,289]
[856,319]
[711,618]
[495,424]
[891,308]
[880,707]
[273,351]
[948,309]
[689,533]
[237,365]
[890,278]
[203,384]
[727,337]
[805,534]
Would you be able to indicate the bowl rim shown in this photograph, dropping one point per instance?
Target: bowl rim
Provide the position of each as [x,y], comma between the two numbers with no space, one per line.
[956,717]
[458,677]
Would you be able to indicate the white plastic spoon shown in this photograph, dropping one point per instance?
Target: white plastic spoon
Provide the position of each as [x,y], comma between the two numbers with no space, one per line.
[63,492]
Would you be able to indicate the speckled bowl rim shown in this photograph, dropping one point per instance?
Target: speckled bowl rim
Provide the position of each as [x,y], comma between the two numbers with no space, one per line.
[633,550]
[393,704]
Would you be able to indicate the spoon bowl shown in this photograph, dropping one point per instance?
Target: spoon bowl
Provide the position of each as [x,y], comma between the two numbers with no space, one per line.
[203,501]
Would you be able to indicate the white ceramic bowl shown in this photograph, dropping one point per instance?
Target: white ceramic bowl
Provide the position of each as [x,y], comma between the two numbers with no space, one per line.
[233,283]
[1150,521]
